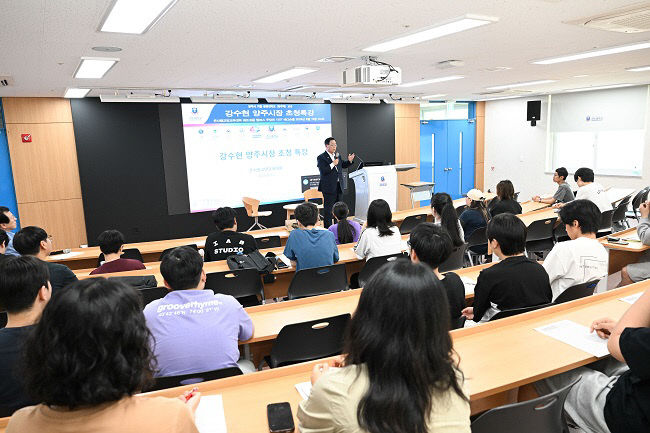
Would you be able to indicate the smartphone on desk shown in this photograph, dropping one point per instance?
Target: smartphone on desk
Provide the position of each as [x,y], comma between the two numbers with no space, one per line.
[280,417]
[617,241]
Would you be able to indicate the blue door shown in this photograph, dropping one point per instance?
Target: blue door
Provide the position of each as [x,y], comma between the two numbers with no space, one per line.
[447,155]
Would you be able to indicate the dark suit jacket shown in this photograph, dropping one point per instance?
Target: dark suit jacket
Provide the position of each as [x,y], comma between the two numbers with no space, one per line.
[329,176]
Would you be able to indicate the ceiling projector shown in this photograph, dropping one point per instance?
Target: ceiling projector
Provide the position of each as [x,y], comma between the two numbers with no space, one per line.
[372,75]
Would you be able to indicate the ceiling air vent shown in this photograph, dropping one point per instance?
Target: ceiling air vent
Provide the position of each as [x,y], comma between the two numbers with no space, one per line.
[631,20]
[6,81]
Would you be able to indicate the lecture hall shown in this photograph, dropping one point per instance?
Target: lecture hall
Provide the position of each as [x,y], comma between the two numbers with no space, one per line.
[253,217]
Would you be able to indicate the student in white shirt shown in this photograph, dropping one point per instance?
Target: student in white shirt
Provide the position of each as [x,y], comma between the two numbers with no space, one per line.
[590,190]
[581,259]
[380,237]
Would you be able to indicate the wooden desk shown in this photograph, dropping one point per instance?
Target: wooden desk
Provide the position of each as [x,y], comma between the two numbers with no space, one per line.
[622,255]
[461,201]
[524,356]
[531,206]
[530,217]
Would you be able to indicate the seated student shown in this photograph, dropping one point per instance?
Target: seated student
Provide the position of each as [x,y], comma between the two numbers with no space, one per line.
[505,200]
[308,246]
[590,190]
[4,241]
[444,214]
[414,386]
[431,245]
[639,271]
[345,231]
[24,292]
[515,281]
[563,193]
[227,241]
[86,358]
[582,258]
[34,241]
[613,394]
[111,243]
[8,222]
[195,330]
[380,237]
[476,215]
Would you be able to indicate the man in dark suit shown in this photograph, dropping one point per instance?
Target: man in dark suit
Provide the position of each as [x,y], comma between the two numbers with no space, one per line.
[331,177]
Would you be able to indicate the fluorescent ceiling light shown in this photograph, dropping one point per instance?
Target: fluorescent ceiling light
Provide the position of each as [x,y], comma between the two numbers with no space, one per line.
[75,93]
[139,98]
[349,100]
[503,97]
[401,101]
[586,89]
[294,100]
[285,75]
[94,67]
[231,99]
[524,84]
[595,53]
[580,76]
[457,25]
[135,17]
[638,69]
[437,95]
[433,80]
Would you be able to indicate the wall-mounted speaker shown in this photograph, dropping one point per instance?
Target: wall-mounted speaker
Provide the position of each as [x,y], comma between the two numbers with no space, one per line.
[534,112]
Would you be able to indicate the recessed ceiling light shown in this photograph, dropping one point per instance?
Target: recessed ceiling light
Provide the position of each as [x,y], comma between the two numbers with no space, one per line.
[594,53]
[586,89]
[437,95]
[454,26]
[497,69]
[638,69]
[94,67]
[580,76]
[107,49]
[433,80]
[75,93]
[335,59]
[524,84]
[285,75]
[134,17]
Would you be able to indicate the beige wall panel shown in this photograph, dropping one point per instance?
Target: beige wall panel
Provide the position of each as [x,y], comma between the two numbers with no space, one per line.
[36,110]
[480,109]
[407,110]
[46,168]
[407,150]
[479,181]
[62,219]
[479,149]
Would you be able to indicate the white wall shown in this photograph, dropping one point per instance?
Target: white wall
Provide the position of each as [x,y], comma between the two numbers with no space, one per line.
[517,151]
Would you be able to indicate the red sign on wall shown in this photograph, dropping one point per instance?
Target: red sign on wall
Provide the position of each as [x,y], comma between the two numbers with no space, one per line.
[26,138]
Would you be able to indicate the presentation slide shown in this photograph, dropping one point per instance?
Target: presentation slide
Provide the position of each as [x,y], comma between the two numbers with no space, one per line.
[257,150]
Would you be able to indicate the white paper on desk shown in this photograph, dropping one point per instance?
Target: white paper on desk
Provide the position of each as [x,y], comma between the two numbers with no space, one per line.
[209,416]
[405,245]
[632,298]
[200,244]
[632,237]
[64,256]
[284,259]
[469,284]
[304,389]
[576,335]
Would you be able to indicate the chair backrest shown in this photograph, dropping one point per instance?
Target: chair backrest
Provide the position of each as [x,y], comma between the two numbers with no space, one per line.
[460,209]
[239,284]
[514,311]
[251,205]
[458,322]
[516,196]
[313,193]
[541,415]
[152,293]
[455,260]
[639,198]
[560,233]
[128,253]
[578,291]
[540,229]
[268,242]
[620,210]
[137,281]
[188,379]
[306,341]
[318,281]
[410,222]
[374,264]
[3,319]
[478,237]
[168,250]
[606,220]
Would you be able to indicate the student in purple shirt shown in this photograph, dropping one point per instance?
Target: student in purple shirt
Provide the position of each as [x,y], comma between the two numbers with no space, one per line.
[111,242]
[344,231]
[195,330]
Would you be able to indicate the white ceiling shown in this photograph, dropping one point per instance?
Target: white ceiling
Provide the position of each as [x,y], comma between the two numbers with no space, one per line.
[208,44]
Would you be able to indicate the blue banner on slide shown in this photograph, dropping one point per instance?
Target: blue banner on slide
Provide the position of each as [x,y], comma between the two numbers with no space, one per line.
[270,113]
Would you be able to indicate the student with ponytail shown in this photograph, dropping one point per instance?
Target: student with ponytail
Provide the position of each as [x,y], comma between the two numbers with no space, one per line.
[444,214]
[344,231]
